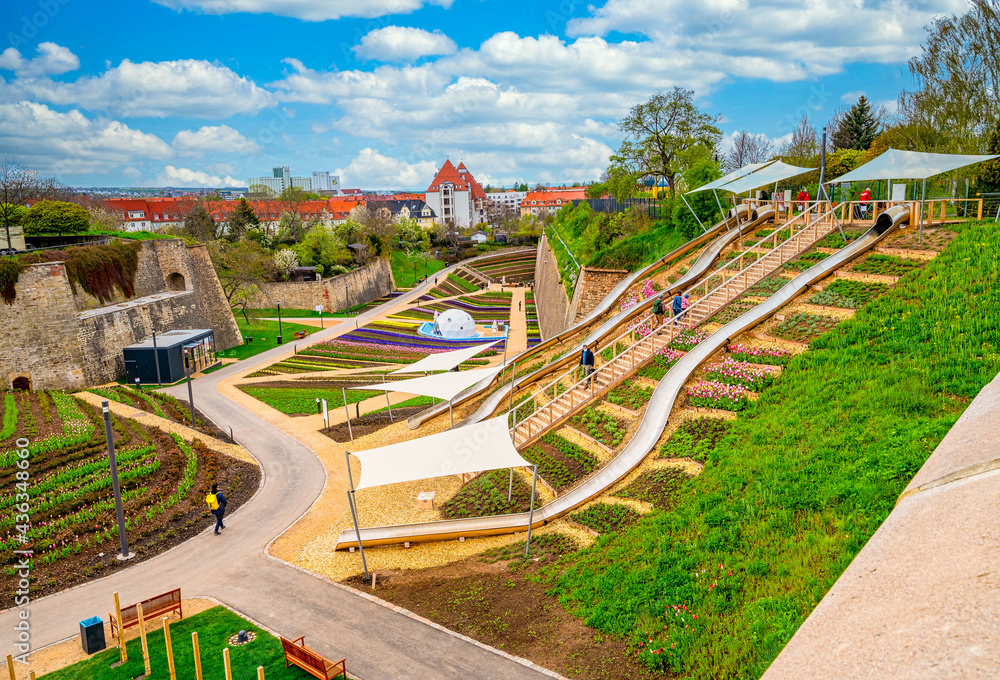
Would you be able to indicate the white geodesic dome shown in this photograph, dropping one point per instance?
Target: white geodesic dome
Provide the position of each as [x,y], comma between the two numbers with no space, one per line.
[454,323]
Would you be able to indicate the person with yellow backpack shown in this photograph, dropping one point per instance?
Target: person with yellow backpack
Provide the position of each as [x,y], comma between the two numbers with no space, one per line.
[217,505]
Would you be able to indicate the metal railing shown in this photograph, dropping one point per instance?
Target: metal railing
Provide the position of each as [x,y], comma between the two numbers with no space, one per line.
[624,362]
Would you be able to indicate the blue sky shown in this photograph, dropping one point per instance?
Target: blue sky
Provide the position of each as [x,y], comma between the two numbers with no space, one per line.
[210,92]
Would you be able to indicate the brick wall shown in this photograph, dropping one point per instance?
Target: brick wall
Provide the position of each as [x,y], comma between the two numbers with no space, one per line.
[594,285]
[337,293]
[550,295]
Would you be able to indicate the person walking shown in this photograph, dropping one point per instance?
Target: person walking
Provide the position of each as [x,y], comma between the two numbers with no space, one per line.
[519,305]
[685,303]
[658,310]
[217,505]
[863,199]
[587,361]
[678,306]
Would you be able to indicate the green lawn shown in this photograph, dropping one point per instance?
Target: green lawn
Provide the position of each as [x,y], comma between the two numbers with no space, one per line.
[268,330]
[214,627]
[406,269]
[303,400]
[415,401]
[292,313]
[802,479]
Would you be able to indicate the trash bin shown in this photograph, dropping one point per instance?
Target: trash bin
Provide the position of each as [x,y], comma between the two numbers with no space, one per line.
[92,634]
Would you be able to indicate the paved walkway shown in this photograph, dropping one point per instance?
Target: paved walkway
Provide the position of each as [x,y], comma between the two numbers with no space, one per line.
[378,641]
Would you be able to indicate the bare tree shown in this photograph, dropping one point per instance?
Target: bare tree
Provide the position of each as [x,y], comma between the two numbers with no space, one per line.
[500,215]
[104,217]
[803,148]
[748,147]
[18,185]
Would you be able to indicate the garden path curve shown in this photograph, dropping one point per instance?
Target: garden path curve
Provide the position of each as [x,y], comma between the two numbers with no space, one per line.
[378,641]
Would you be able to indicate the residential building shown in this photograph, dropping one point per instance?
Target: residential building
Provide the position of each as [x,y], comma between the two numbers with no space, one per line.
[510,198]
[479,236]
[455,196]
[545,201]
[324,181]
[411,208]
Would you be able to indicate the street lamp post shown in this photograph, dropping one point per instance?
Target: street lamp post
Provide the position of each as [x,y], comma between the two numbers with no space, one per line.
[115,486]
[279,322]
[187,371]
[156,360]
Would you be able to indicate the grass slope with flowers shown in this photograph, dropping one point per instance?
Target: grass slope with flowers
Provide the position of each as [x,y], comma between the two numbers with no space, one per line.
[717,586]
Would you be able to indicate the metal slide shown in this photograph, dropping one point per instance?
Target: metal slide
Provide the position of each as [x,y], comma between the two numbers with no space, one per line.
[653,422]
[701,266]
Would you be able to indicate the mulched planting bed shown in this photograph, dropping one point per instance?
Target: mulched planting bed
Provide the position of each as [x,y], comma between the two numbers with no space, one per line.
[805,261]
[767,286]
[933,239]
[886,265]
[662,361]
[630,394]
[760,355]
[803,327]
[486,495]
[163,479]
[600,425]
[732,311]
[716,395]
[162,405]
[695,439]
[561,463]
[606,517]
[848,293]
[657,487]
[835,240]
[498,599]
[371,422]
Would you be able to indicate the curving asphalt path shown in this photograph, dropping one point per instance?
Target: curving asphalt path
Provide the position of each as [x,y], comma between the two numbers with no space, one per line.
[379,643]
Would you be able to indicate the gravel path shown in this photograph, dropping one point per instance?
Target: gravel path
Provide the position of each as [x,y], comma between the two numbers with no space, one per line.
[379,641]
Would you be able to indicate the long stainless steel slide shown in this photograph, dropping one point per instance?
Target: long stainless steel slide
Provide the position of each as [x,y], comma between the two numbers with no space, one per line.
[653,422]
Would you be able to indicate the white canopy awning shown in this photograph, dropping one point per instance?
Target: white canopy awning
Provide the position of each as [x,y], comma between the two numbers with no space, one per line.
[896,164]
[444,361]
[773,173]
[475,448]
[441,385]
[731,177]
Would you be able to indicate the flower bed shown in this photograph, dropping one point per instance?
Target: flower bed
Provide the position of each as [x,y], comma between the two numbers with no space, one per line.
[803,327]
[688,339]
[711,394]
[750,376]
[805,261]
[695,439]
[516,267]
[662,361]
[760,355]
[630,394]
[835,240]
[486,495]
[294,400]
[451,286]
[605,518]
[767,286]
[848,293]
[886,265]
[531,313]
[560,462]
[732,311]
[602,426]
[658,488]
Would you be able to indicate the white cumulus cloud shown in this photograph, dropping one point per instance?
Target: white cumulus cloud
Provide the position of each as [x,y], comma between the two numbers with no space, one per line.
[372,170]
[307,10]
[185,177]
[52,59]
[213,138]
[402,43]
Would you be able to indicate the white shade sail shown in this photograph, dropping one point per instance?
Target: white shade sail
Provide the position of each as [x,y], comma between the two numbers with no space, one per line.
[441,385]
[444,361]
[773,173]
[896,164]
[731,177]
[475,448]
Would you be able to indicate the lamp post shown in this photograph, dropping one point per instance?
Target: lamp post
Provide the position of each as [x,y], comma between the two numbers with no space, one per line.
[187,372]
[279,322]
[115,486]
[156,360]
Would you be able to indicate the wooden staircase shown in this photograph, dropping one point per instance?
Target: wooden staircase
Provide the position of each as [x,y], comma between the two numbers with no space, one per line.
[709,295]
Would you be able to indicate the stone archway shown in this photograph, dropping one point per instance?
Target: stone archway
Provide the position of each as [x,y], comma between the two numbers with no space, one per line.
[21,382]
[176,282]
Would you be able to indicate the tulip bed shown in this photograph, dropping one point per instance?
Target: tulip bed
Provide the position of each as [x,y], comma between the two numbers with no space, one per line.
[751,376]
[663,361]
[717,395]
[484,308]
[760,355]
[69,511]
[797,486]
[531,311]
[560,462]
[516,267]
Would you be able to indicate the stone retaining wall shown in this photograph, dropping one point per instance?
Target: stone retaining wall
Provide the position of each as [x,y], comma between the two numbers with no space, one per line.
[336,294]
[551,300]
[593,286]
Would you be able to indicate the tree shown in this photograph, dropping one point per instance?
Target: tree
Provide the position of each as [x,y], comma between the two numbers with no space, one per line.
[322,248]
[260,192]
[748,147]
[291,228]
[18,185]
[660,136]
[958,79]
[241,268]
[447,233]
[103,218]
[285,261]
[858,127]
[200,225]
[703,203]
[989,172]
[501,216]
[56,217]
[596,190]
[803,148]
[240,220]
[379,230]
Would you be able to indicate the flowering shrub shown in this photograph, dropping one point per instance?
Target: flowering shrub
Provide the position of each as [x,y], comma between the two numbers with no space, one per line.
[760,355]
[751,376]
[711,394]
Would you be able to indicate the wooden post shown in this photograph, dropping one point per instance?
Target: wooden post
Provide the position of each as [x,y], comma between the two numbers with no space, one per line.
[197,656]
[226,664]
[142,634]
[31,675]
[10,667]
[980,209]
[944,210]
[260,673]
[170,649]
[122,650]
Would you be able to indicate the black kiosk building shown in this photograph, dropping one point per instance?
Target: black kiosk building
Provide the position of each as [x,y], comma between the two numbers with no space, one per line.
[174,347]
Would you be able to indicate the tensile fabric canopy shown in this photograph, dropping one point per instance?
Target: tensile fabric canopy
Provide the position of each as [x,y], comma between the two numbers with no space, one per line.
[444,361]
[896,164]
[774,172]
[441,385]
[731,177]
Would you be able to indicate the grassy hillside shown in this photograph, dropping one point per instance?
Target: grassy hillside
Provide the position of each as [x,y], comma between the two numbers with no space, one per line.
[802,480]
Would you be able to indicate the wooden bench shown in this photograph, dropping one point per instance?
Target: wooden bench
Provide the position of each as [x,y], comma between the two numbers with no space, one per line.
[310,661]
[300,335]
[153,608]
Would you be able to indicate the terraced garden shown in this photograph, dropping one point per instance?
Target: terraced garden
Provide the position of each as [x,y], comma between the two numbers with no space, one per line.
[64,471]
[560,462]
[848,293]
[515,267]
[803,327]
[695,439]
[886,265]
[531,313]
[452,285]
[159,404]
[486,495]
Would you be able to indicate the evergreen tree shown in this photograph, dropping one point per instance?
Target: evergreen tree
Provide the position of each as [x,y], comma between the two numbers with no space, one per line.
[858,128]
[241,219]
